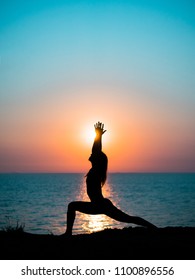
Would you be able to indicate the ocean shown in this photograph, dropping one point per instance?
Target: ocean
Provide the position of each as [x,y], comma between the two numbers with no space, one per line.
[39,201]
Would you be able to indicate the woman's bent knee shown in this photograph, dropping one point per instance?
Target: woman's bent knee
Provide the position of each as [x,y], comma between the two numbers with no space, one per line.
[71,206]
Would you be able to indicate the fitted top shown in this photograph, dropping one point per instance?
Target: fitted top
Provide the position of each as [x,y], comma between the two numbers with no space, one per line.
[94,188]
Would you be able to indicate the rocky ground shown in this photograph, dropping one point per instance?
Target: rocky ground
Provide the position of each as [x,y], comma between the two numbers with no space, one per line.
[137,243]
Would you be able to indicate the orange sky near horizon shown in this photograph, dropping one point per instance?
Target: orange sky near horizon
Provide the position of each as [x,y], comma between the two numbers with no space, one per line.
[55,135]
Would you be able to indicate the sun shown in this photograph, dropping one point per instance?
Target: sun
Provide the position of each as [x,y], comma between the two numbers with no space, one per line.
[88,134]
[91,135]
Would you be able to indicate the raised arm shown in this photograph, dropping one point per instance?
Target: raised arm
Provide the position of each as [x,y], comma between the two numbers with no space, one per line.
[99,130]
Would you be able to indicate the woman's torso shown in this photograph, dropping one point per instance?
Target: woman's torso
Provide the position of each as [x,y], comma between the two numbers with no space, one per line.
[94,188]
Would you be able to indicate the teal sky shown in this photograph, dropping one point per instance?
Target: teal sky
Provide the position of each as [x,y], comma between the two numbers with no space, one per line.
[58,55]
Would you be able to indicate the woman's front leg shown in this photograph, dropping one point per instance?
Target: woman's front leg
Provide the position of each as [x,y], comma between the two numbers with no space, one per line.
[81,206]
[71,214]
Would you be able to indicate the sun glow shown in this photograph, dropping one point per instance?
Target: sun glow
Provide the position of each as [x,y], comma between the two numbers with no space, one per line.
[87,135]
[90,135]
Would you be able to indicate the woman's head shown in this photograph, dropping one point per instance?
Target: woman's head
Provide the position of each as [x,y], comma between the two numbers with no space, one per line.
[99,161]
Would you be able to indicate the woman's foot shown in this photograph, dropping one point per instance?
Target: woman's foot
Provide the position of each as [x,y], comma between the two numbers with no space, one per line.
[66,235]
[153,227]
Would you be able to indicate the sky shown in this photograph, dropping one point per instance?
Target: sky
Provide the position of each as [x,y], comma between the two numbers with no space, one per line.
[64,65]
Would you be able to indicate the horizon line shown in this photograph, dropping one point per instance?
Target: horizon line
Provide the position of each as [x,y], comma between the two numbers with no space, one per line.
[82,172]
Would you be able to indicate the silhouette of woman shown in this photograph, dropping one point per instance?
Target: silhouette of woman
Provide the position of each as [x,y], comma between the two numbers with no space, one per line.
[95,180]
